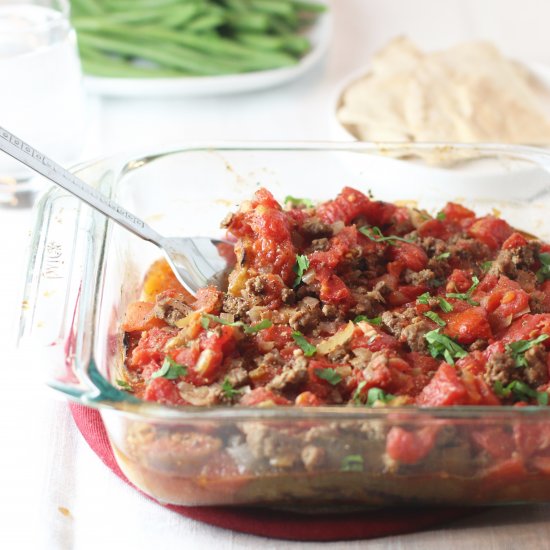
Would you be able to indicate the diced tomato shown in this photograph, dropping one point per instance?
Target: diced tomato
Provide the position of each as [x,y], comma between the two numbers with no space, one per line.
[375,341]
[338,247]
[163,391]
[279,335]
[333,289]
[460,280]
[512,469]
[350,204]
[541,463]
[408,255]
[186,357]
[532,437]
[262,397]
[317,385]
[456,212]
[150,347]
[444,389]
[433,228]
[515,240]
[505,302]
[528,327]
[468,326]
[308,399]
[405,294]
[410,447]
[495,441]
[209,300]
[139,317]
[479,392]
[490,230]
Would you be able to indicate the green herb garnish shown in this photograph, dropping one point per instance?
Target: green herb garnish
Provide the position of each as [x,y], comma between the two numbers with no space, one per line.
[435,318]
[441,215]
[330,375]
[308,349]
[123,385]
[518,349]
[352,463]
[443,304]
[252,329]
[485,266]
[228,390]
[544,272]
[440,345]
[298,201]
[375,234]
[376,394]
[170,370]
[466,296]
[520,391]
[423,298]
[372,321]
[248,329]
[300,267]
[443,256]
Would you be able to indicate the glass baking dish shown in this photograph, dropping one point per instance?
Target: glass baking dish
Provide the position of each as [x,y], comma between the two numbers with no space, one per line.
[84,271]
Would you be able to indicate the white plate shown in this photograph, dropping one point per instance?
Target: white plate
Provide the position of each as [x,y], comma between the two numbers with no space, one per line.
[319,35]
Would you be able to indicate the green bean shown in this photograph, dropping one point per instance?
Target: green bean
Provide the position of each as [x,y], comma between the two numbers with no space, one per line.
[88,7]
[119,68]
[205,22]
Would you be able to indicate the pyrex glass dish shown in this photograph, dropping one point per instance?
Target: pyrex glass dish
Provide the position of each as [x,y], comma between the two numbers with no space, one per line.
[83,272]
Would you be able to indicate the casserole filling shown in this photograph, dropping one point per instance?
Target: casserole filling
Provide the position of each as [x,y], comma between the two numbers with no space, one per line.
[351,302]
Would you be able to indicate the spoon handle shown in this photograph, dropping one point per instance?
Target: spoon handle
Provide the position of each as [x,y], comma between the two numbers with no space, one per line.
[37,161]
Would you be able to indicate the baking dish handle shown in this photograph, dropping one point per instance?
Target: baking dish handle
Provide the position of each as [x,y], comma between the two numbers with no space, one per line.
[50,308]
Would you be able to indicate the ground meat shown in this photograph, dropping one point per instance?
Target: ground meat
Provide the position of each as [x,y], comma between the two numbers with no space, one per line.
[237,376]
[538,302]
[499,368]
[288,296]
[171,307]
[307,315]
[313,457]
[433,246]
[502,367]
[314,228]
[423,277]
[396,321]
[467,249]
[368,301]
[509,262]
[414,333]
[319,245]
[479,344]
[527,280]
[536,371]
[275,444]
[200,396]
[237,306]
[294,373]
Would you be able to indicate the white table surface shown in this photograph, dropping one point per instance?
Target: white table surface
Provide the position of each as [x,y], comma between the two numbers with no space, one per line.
[44,463]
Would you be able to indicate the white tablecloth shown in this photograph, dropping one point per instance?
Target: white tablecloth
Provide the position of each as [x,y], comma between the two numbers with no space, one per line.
[54,492]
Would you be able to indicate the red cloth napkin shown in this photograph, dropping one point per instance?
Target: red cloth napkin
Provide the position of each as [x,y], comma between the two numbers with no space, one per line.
[277,523]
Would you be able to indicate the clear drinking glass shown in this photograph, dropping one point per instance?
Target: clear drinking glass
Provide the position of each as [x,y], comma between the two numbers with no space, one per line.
[41,94]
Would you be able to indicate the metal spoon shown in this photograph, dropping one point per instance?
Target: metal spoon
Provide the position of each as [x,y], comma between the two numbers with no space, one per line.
[195,260]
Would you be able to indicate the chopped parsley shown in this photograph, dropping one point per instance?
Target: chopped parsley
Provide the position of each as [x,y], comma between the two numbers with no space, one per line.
[330,375]
[440,345]
[544,272]
[296,201]
[123,385]
[466,296]
[372,321]
[443,256]
[308,349]
[170,370]
[300,267]
[435,318]
[518,349]
[441,215]
[375,234]
[485,266]
[248,329]
[352,463]
[443,304]
[252,329]
[376,394]
[520,391]
[228,390]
